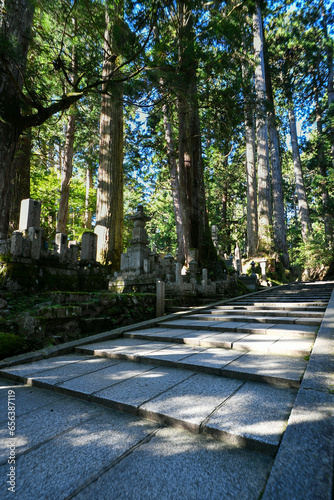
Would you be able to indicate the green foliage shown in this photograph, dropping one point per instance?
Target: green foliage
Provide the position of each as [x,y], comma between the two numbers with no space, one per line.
[11,344]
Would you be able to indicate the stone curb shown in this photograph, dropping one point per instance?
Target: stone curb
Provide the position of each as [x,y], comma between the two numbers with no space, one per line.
[303,468]
[69,347]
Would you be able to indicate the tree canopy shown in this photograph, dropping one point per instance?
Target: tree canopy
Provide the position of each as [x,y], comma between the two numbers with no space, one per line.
[191,112]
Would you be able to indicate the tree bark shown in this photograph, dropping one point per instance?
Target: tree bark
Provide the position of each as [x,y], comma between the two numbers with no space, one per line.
[304,214]
[279,227]
[15,26]
[174,182]
[89,185]
[66,174]
[323,170]
[109,209]
[264,188]
[21,179]
[252,217]
[191,175]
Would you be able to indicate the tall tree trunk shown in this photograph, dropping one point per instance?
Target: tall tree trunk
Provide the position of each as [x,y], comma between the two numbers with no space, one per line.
[304,214]
[15,24]
[21,184]
[279,227]
[330,66]
[89,185]
[191,176]
[66,174]
[174,181]
[252,218]
[322,163]
[109,206]
[264,190]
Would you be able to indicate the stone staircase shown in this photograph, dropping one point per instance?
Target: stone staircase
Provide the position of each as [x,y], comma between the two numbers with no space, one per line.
[231,371]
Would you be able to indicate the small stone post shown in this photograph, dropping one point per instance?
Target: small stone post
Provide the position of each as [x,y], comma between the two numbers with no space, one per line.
[89,247]
[160,300]
[30,213]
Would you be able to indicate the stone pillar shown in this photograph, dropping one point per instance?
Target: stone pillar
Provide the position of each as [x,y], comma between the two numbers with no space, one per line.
[160,298]
[237,259]
[214,235]
[193,271]
[102,234]
[168,263]
[73,251]
[61,245]
[263,265]
[88,247]
[35,237]
[204,278]
[30,213]
[16,248]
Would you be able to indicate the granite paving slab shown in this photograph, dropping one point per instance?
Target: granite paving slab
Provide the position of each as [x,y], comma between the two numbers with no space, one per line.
[44,423]
[156,333]
[175,464]
[266,312]
[256,342]
[29,369]
[257,319]
[128,395]
[109,344]
[224,339]
[85,385]
[189,403]
[299,329]
[255,416]
[274,307]
[69,371]
[173,353]
[292,346]
[76,451]
[26,399]
[211,359]
[270,368]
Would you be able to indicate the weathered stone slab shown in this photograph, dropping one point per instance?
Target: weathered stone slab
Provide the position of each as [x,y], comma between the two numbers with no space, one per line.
[110,345]
[188,404]
[31,369]
[88,384]
[298,329]
[255,415]
[44,423]
[224,340]
[292,346]
[69,371]
[173,353]
[79,449]
[130,394]
[256,342]
[255,328]
[175,465]
[211,358]
[280,369]
[303,467]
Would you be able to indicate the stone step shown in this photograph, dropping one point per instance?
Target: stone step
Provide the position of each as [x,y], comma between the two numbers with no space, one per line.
[240,412]
[292,303]
[241,326]
[231,311]
[285,345]
[272,307]
[264,367]
[211,316]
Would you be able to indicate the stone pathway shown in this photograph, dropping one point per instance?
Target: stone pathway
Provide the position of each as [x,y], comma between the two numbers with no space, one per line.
[231,376]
